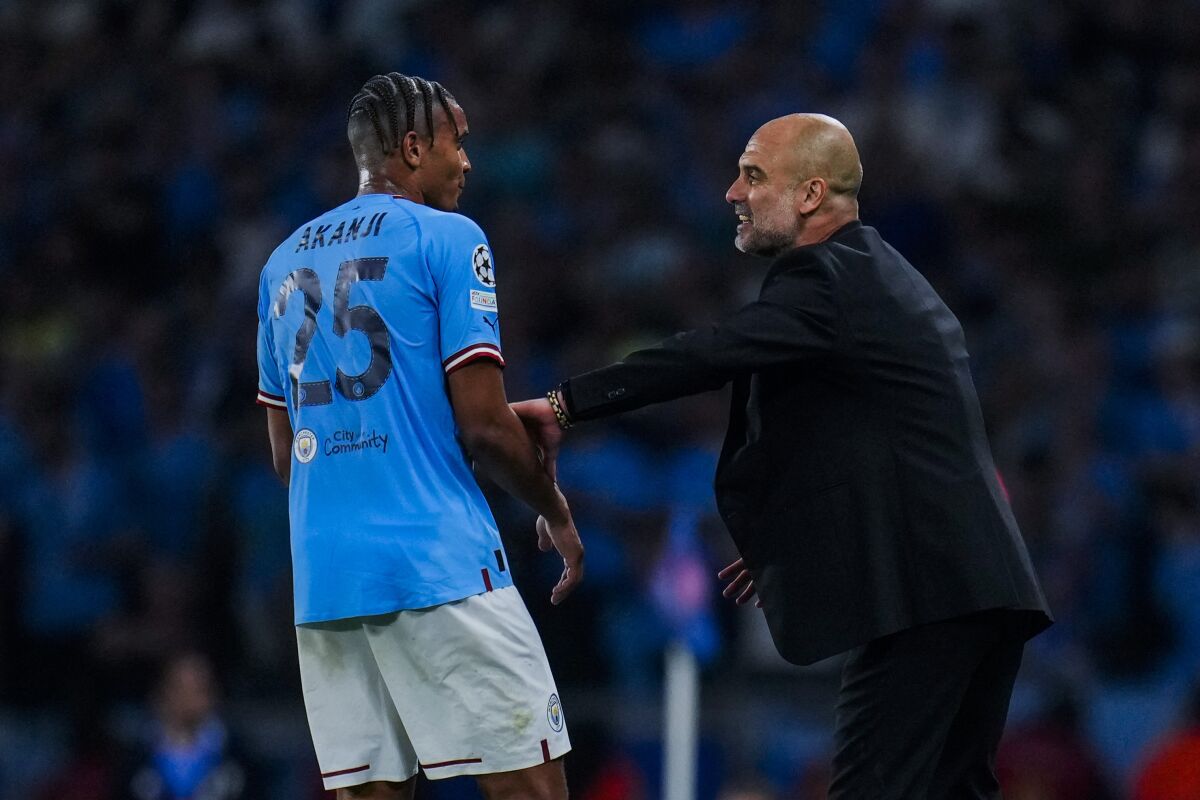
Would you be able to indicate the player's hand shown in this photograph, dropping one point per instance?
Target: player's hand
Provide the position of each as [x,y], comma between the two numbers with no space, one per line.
[741,584]
[565,539]
[542,426]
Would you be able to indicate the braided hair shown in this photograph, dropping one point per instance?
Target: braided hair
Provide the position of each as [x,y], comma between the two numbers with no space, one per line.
[389,104]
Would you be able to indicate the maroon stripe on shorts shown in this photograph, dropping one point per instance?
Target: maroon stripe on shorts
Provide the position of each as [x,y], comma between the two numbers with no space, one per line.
[487,579]
[335,773]
[453,763]
[545,750]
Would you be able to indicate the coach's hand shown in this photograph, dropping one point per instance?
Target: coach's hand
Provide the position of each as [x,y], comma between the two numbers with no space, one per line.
[542,426]
[565,539]
[741,583]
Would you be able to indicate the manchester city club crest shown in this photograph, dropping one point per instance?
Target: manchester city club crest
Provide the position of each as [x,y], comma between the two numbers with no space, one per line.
[554,713]
[305,446]
[481,262]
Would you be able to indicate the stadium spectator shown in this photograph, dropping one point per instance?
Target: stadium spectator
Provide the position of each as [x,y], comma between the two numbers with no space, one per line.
[1049,759]
[1172,771]
[189,752]
[91,770]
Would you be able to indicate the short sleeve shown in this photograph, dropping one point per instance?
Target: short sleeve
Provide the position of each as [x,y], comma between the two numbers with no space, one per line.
[464,275]
[270,387]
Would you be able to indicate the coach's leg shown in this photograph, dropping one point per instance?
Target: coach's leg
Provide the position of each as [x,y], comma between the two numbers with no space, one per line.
[379,790]
[544,782]
[967,768]
[899,697]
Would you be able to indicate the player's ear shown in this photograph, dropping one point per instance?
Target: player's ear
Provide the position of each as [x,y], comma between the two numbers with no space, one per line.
[411,149]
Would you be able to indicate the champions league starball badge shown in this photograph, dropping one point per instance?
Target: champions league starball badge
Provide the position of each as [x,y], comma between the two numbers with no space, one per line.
[481,262]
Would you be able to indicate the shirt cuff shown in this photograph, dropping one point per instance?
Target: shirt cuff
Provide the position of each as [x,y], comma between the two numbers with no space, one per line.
[473,353]
[270,400]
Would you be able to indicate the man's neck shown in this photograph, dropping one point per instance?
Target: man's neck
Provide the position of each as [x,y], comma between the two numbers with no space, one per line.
[381,184]
[821,228]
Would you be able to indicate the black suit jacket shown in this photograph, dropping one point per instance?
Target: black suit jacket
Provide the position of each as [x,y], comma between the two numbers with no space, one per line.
[856,477]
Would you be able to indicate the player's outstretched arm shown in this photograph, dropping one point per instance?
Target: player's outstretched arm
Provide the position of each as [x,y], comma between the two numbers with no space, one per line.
[501,447]
[279,429]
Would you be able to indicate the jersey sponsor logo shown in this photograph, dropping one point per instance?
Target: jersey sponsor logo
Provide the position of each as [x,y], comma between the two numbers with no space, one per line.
[358,228]
[554,713]
[343,442]
[484,301]
[481,263]
[305,446]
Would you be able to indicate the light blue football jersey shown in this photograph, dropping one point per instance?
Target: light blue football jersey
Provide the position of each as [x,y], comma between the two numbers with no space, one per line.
[362,313]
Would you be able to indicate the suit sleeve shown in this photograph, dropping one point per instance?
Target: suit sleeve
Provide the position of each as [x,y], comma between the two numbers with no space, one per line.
[793,321]
[270,383]
[464,276]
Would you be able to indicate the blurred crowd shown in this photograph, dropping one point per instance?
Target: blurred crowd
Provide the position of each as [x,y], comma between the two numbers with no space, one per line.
[1036,159]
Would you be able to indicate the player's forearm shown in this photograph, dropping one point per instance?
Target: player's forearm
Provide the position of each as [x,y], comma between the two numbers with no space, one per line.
[279,430]
[502,451]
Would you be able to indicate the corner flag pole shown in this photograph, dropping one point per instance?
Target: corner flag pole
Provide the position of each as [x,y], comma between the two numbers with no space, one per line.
[681,719]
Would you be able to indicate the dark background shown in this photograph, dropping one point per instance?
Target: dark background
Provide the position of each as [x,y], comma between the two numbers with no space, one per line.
[1037,160]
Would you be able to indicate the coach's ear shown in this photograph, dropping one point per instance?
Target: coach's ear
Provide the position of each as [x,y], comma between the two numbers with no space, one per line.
[810,194]
[411,150]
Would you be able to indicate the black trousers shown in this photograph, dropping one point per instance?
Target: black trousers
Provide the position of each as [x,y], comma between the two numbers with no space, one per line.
[921,712]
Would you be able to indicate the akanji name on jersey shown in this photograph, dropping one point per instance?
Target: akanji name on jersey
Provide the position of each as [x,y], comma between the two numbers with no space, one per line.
[346,231]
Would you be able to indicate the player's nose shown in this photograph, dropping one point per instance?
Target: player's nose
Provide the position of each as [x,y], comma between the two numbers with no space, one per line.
[466,162]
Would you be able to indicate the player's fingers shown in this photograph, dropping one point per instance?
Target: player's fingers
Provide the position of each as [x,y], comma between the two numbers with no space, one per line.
[571,577]
[745,596]
[573,567]
[758,603]
[732,569]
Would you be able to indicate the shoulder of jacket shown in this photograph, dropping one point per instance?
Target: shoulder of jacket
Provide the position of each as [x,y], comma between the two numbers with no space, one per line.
[803,262]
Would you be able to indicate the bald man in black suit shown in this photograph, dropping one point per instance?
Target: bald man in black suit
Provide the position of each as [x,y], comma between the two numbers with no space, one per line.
[856,477]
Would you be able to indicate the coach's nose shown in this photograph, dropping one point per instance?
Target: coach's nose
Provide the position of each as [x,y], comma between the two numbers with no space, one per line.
[736,193]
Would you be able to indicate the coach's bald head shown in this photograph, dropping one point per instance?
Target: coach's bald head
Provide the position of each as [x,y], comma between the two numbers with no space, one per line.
[798,182]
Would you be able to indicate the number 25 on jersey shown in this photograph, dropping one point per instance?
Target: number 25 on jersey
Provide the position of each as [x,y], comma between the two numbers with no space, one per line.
[345,319]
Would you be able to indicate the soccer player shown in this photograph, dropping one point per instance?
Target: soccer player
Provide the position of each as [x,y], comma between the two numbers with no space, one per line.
[379,364]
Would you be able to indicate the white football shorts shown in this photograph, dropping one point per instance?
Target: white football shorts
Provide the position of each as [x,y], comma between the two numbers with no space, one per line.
[463,688]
